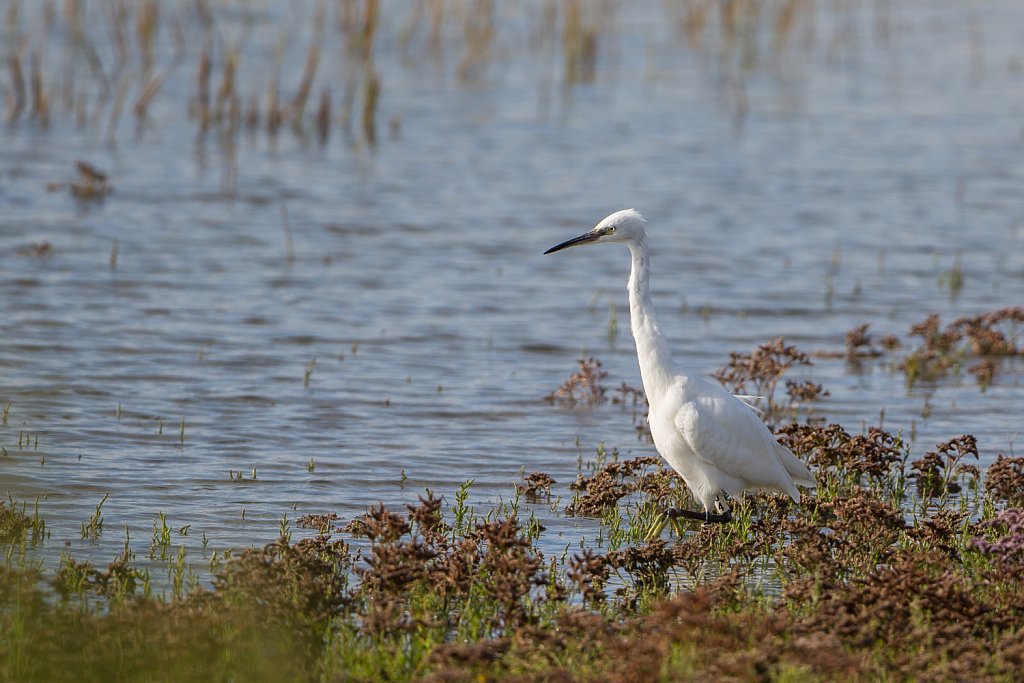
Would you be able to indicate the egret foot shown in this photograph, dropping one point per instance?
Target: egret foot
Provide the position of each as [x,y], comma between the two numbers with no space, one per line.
[674,516]
[709,517]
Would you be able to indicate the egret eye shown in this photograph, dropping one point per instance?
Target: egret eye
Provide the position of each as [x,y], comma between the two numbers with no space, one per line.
[611,229]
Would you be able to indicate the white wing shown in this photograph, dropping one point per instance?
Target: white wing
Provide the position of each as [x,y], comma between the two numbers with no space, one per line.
[751,401]
[726,434]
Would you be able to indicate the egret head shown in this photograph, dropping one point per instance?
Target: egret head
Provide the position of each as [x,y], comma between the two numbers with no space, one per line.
[621,226]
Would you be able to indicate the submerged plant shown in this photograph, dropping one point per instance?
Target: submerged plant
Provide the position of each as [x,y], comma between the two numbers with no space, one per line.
[94,527]
[90,184]
[583,386]
[535,484]
[859,343]
[17,526]
[985,336]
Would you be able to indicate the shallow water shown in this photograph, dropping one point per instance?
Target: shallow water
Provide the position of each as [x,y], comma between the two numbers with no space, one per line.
[797,191]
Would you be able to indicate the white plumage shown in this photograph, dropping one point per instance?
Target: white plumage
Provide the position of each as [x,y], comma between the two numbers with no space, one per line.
[714,440]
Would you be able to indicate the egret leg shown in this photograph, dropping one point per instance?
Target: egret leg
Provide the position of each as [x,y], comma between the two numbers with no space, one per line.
[674,515]
[707,516]
[721,515]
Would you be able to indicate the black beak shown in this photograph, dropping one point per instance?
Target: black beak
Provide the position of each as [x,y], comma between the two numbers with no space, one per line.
[585,238]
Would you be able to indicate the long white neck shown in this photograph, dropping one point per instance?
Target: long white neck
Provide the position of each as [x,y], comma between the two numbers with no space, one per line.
[657,369]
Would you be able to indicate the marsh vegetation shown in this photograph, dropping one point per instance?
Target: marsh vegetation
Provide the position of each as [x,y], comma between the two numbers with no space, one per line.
[899,567]
[902,564]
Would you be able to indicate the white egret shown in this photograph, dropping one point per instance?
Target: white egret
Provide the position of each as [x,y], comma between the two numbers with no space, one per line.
[714,440]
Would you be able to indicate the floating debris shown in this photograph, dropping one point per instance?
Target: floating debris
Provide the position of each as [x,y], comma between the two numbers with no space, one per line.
[37,250]
[91,183]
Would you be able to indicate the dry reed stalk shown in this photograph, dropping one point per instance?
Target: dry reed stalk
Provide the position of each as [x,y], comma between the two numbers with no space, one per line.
[82,41]
[16,102]
[295,108]
[147,21]
[323,116]
[252,113]
[203,91]
[40,101]
[234,114]
[149,91]
[226,91]
[579,44]
[479,33]
[436,23]
[115,110]
[117,16]
[371,93]
[694,20]
[369,28]
[273,110]
[786,19]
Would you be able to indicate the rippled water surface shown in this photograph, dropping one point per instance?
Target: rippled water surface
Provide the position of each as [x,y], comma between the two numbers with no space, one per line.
[156,344]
